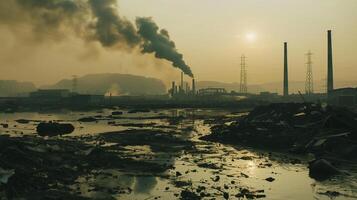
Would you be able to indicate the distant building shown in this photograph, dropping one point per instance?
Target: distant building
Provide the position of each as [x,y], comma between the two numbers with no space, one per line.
[212,91]
[344,97]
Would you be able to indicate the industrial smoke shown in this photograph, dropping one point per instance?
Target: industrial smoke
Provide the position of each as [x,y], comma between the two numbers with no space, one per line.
[91,20]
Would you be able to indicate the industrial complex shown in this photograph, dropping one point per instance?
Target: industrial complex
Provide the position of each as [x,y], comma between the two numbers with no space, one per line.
[186,93]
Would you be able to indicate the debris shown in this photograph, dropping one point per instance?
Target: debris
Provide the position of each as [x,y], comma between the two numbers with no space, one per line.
[87,119]
[5,175]
[294,127]
[216,178]
[270,179]
[250,194]
[225,195]
[188,195]
[322,169]
[117,113]
[54,129]
[22,121]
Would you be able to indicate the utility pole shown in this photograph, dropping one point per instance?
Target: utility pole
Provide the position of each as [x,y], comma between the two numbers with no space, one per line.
[309,84]
[243,76]
[286,76]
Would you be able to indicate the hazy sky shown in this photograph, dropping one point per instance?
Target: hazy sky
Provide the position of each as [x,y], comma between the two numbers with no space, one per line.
[212,35]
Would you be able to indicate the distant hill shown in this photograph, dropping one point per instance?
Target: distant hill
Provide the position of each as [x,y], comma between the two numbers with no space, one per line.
[294,86]
[116,84]
[12,88]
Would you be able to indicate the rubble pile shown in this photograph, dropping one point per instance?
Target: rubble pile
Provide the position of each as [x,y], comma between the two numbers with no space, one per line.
[49,168]
[327,132]
[54,129]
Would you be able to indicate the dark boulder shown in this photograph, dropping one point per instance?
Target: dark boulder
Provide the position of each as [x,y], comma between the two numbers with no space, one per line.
[322,169]
[22,121]
[117,113]
[87,119]
[54,129]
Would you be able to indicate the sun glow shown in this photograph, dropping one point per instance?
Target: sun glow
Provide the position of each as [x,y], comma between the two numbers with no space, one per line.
[251,37]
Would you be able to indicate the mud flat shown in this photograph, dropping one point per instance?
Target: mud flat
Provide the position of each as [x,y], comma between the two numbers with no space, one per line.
[151,155]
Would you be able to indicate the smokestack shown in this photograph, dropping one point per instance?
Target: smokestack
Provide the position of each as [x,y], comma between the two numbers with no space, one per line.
[329,63]
[182,82]
[173,89]
[286,77]
[193,87]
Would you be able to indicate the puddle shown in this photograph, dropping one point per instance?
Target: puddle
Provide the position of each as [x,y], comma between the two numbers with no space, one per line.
[211,170]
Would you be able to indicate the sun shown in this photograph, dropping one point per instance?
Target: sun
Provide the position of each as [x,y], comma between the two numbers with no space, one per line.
[251,36]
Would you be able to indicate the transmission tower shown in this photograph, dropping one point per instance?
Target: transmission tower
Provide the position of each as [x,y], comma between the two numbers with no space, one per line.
[309,84]
[243,75]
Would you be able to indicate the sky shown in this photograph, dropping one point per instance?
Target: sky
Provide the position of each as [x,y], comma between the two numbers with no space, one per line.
[212,35]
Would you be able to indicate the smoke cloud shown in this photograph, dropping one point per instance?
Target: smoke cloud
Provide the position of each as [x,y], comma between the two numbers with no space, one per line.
[160,44]
[91,20]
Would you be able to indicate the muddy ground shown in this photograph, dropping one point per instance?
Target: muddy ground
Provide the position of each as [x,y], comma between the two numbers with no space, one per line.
[150,155]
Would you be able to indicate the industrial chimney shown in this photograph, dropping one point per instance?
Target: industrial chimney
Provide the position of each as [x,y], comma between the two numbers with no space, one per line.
[193,87]
[173,88]
[329,63]
[182,88]
[286,77]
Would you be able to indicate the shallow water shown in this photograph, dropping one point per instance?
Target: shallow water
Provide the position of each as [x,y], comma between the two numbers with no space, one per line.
[218,168]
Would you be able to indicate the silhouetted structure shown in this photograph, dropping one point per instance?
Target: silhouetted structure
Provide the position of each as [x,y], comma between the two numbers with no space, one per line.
[309,84]
[243,76]
[181,86]
[212,91]
[193,86]
[286,81]
[329,63]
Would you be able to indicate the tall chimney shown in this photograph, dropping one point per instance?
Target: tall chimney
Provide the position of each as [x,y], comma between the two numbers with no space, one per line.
[193,87]
[329,63]
[182,88]
[286,77]
[173,89]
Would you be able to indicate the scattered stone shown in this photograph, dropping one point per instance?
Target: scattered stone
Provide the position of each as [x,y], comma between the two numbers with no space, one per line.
[225,195]
[270,179]
[216,178]
[54,129]
[322,169]
[87,119]
[188,195]
[117,113]
[178,173]
[22,121]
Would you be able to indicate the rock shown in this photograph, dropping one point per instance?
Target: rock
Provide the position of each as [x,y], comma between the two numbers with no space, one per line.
[22,121]
[139,111]
[226,195]
[54,129]
[5,175]
[5,125]
[322,169]
[117,113]
[270,179]
[87,119]
[188,195]
[178,174]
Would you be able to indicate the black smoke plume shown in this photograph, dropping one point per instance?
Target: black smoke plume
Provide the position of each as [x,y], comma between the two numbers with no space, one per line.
[90,20]
[160,44]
